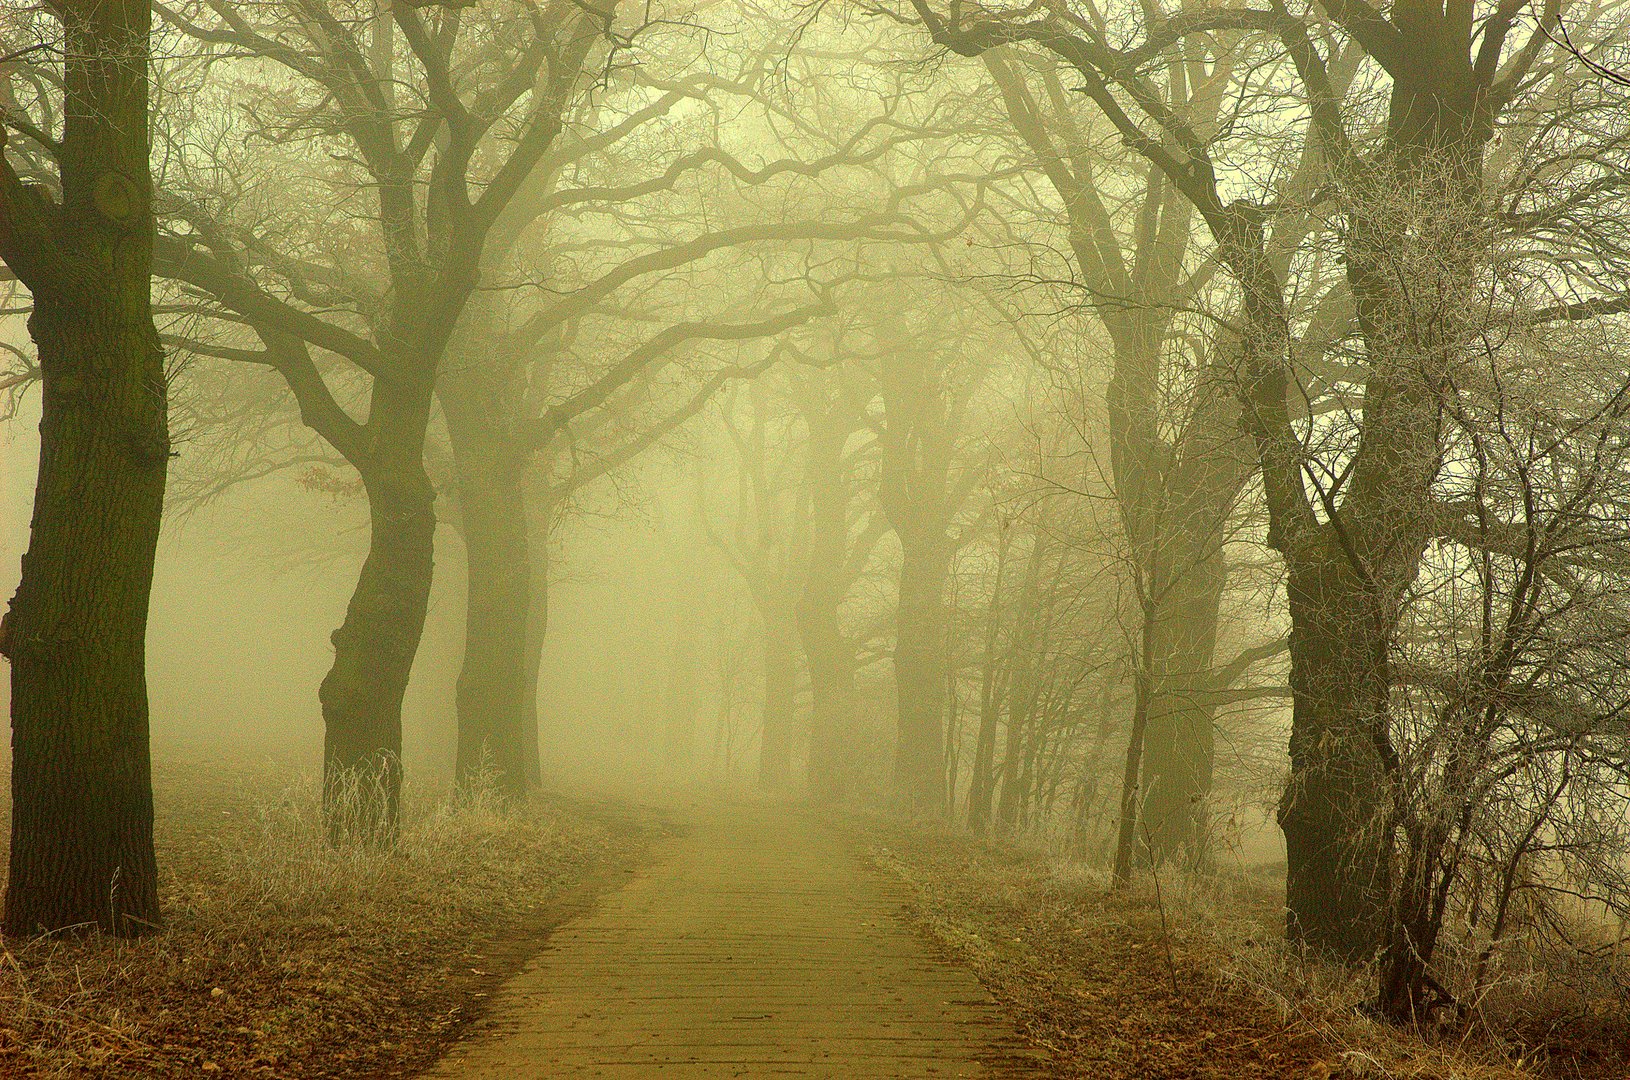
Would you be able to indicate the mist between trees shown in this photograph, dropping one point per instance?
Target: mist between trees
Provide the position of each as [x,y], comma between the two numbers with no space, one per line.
[1041,416]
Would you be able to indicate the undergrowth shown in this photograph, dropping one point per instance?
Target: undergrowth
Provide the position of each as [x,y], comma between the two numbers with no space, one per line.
[284,955]
[1194,981]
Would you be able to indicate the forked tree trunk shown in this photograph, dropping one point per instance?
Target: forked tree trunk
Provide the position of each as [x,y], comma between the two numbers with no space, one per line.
[82,800]
[374,648]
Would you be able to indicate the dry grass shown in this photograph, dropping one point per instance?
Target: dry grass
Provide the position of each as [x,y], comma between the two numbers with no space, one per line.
[1196,982]
[284,956]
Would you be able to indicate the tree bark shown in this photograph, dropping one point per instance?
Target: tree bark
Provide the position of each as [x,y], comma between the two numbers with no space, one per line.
[374,648]
[493,683]
[82,802]
[1180,744]
[537,629]
[1331,810]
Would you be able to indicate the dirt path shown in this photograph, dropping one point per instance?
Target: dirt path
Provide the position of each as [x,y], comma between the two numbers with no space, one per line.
[757,944]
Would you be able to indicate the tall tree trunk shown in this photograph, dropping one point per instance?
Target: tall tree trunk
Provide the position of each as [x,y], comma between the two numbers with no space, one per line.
[982,780]
[1414,250]
[82,804]
[374,648]
[1179,757]
[780,705]
[1340,759]
[1007,803]
[82,799]
[919,675]
[1180,747]
[493,682]
[828,654]
[537,628]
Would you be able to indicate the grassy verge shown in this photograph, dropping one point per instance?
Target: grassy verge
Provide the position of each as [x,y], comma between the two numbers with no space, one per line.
[284,957]
[1192,981]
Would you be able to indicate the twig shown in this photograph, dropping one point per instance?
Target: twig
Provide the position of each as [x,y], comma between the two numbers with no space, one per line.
[1160,905]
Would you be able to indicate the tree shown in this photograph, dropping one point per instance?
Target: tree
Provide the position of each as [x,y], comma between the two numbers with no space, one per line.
[1352,528]
[80,238]
[491,90]
[765,549]
[1177,458]
[1042,618]
[832,402]
[925,394]
[1512,747]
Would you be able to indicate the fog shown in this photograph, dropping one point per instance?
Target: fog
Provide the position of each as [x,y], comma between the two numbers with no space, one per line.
[245,584]
[1056,455]
[244,587]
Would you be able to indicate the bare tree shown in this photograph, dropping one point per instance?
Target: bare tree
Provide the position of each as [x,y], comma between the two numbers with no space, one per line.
[491,94]
[1351,531]
[925,383]
[842,532]
[765,548]
[76,227]
[1177,457]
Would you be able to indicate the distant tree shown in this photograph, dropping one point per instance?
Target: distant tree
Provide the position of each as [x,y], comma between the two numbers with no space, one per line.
[1177,458]
[643,252]
[765,547]
[843,529]
[76,227]
[925,382]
